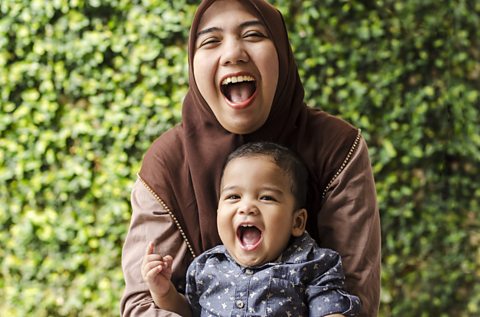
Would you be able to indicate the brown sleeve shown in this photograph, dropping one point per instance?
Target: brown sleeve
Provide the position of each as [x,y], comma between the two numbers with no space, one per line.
[149,222]
[350,224]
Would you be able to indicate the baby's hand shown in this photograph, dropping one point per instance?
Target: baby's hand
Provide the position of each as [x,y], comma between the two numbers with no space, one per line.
[157,271]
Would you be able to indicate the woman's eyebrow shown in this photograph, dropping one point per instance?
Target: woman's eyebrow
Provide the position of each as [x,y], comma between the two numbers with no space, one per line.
[242,25]
[250,23]
[209,30]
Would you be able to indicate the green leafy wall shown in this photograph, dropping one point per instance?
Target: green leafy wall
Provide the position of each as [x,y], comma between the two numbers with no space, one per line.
[87,85]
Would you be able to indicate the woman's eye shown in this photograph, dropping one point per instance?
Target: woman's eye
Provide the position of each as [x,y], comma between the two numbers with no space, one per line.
[209,42]
[254,35]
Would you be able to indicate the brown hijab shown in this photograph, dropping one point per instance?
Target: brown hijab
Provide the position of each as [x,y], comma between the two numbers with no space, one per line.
[183,166]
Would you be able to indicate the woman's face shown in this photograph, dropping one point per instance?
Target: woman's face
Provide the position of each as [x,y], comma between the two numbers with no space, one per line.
[235,66]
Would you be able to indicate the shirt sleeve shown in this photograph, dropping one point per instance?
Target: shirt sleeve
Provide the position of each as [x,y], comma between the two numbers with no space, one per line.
[149,222]
[325,292]
[349,223]
[191,291]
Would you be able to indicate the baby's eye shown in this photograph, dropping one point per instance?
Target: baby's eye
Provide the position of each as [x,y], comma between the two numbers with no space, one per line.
[232,197]
[267,198]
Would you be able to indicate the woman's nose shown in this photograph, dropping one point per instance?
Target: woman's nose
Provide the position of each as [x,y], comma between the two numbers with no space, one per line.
[233,52]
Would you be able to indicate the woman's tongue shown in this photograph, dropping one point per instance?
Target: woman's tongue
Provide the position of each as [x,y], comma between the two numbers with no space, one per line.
[250,236]
[239,92]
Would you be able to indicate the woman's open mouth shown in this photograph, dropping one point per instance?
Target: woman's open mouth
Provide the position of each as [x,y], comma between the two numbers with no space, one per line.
[249,236]
[239,90]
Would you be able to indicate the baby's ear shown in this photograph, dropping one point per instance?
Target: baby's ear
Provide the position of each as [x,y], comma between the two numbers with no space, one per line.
[299,222]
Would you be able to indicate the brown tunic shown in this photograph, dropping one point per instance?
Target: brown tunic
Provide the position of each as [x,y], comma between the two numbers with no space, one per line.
[181,172]
[360,240]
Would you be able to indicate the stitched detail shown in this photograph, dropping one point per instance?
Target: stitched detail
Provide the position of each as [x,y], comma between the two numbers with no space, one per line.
[169,211]
[344,163]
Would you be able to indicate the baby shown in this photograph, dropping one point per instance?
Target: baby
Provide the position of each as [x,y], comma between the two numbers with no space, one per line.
[268,264]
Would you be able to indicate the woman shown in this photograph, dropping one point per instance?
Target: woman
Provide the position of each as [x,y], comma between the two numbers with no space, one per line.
[244,86]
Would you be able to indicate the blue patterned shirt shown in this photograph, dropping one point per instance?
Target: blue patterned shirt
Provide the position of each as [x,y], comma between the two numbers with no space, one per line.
[306,281]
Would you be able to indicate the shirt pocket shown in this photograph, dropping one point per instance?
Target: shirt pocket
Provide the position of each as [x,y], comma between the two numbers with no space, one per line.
[286,295]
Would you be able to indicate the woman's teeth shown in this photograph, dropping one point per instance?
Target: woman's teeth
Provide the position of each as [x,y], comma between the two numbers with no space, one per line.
[238,89]
[237,79]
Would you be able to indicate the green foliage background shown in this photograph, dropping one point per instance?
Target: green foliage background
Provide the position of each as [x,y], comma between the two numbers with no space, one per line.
[86,86]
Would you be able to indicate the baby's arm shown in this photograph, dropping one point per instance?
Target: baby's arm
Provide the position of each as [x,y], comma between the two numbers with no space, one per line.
[326,296]
[157,273]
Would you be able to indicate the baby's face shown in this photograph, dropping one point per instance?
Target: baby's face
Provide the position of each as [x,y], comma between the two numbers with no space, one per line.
[256,212]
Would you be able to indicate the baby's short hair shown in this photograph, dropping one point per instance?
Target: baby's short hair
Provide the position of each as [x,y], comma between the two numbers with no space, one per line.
[286,159]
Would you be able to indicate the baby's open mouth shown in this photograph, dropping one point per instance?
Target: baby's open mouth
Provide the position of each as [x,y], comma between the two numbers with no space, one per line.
[238,89]
[249,236]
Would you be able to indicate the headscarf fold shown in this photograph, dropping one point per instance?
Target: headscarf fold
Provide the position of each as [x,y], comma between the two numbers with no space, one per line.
[183,166]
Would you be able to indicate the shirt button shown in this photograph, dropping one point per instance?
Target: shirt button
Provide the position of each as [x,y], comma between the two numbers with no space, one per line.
[239,304]
[248,272]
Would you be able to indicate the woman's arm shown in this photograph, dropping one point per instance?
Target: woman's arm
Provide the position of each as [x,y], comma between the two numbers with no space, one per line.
[149,222]
[349,223]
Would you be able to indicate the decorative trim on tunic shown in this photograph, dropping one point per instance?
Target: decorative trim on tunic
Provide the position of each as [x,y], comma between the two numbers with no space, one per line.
[344,164]
[169,211]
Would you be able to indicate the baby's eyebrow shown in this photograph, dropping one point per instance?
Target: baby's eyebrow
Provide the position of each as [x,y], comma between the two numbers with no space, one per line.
[217,29]
[227,188]
[273,189]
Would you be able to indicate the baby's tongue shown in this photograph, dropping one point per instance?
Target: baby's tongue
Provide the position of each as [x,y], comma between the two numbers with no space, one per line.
[239,92]
[250,236]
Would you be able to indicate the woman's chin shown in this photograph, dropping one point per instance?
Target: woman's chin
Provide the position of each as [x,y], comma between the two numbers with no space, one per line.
[241,125]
